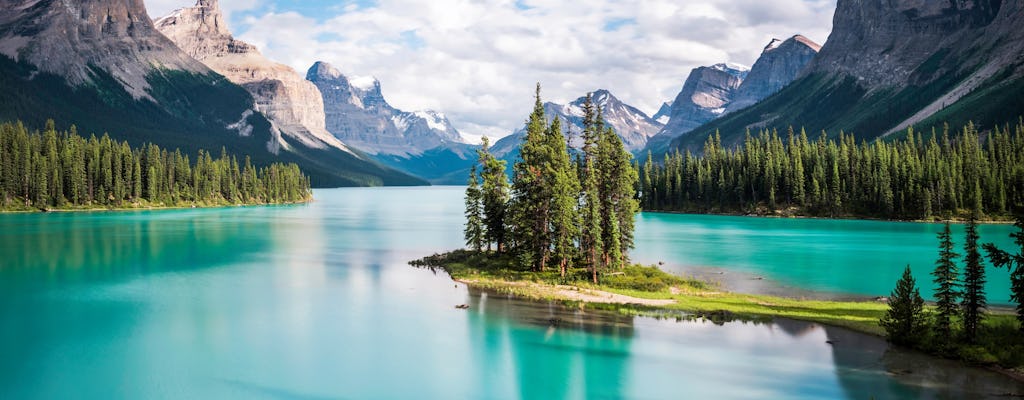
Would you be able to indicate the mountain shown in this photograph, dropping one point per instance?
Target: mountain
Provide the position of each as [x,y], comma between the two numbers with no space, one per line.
[664,113]
[704,97]
[292,104]
[889,65]
[779,64]
[633,126]
[102,64]
[423,143]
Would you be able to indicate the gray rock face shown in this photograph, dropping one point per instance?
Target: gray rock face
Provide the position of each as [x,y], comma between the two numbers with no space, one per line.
[292,104]
[67,37]
[633,126]
[357,113]
[881,44]
[705,95]
[664,113]
[779,65]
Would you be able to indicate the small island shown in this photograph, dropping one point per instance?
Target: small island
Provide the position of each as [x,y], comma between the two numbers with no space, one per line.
[50,171]
[563,228]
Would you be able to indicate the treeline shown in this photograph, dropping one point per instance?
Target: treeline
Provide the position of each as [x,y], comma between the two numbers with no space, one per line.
[956,326]
[939,175]
[50,169]
[574,212]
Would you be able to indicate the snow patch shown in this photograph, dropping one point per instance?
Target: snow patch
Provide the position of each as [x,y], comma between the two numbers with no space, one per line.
[663,119]
[434,120]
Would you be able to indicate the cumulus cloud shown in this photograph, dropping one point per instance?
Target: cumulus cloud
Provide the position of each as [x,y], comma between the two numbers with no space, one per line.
[478,60]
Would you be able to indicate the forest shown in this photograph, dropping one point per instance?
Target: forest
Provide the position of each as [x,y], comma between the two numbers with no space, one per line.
[64,170]
[938,175]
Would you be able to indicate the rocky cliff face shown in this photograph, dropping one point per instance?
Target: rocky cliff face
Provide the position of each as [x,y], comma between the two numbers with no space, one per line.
[705,95]
[67,38]
[779,64]
[664,113]
[293,104]
[633,126]
[358,114]
[891,64]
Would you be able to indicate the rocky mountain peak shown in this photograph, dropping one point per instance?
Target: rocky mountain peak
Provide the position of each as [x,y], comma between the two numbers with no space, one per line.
[357,113]
[67,38]
[779,64]
[293,104]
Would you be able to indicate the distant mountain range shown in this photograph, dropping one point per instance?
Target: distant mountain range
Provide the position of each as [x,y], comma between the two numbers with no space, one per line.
[103,65]
[633,126]
[184,81]
[423,143]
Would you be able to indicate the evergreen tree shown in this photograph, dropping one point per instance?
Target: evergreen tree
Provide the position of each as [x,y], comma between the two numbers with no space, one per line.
[1014,263]
[974,301]
[474,231]
[905,322]
[564,200]
[494,194]
[532,185]
[591,235]
[947,292]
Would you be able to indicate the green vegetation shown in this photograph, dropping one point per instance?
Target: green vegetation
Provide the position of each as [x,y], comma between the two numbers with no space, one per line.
[1015,263]
[44,170]
[944,176]
[185,111]
[557,210]
[973,332]
[904,322]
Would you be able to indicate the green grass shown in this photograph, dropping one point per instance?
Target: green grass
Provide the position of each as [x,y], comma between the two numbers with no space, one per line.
[1000,340]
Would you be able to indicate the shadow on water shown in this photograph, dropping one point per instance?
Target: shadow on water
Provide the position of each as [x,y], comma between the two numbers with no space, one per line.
[61,248]
[864,361]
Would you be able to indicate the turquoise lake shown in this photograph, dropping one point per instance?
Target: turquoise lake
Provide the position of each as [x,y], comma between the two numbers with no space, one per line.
[317,301]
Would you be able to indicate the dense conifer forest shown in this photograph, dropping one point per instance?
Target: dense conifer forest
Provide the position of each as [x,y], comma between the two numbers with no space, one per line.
[56,170]
[939,174]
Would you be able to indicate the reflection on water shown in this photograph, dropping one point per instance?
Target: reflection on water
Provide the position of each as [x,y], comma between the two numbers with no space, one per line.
[317,301]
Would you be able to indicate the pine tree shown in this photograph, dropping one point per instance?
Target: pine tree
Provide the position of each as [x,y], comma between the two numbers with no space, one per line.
[974,301]
[947,292]
[474,231]
[905,322]
[1014,263]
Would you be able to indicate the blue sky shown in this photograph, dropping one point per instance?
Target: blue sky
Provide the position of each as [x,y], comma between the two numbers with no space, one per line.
[477,61]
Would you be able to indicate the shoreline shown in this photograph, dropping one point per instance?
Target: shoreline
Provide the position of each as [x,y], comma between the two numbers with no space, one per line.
[609,300]
[148,208]
[1008,221]
[689,298]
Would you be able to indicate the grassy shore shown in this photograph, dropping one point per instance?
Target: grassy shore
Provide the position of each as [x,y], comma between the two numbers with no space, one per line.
[640,290]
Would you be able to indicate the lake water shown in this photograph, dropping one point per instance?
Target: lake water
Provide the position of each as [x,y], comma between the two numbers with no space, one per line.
[317,301]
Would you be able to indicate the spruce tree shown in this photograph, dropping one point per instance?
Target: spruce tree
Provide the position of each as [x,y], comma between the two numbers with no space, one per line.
[529,209]
[905,322]
[494,194]
[974,301]
[1014,263]
[947,279]
[591,243]
[474,231]
[564,200]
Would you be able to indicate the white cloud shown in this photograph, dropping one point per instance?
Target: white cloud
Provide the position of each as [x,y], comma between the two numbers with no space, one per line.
[478,60]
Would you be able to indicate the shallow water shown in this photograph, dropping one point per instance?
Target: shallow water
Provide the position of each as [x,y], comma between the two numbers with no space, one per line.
[317,301]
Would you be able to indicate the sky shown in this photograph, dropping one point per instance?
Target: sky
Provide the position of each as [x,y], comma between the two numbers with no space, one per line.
[478,61]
